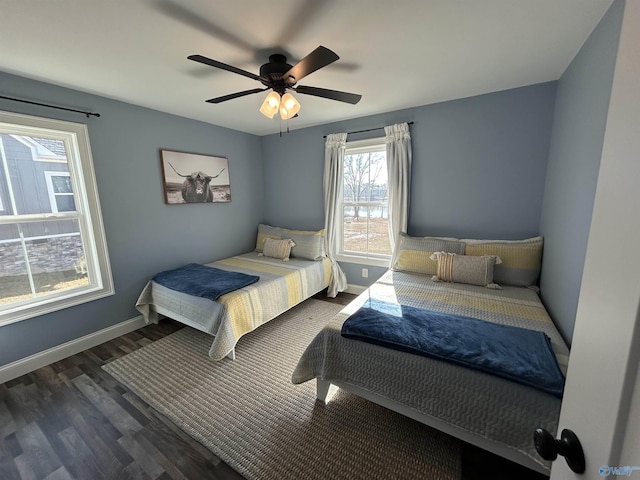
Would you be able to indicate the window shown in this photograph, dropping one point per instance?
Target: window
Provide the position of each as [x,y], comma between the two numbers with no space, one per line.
[60,192]
[365,213]
[53,251]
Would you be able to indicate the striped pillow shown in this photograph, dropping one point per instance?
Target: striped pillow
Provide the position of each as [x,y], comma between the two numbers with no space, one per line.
[413,253]
[521,259]
[267,231]
[465,269]
[277,248]
[309,243]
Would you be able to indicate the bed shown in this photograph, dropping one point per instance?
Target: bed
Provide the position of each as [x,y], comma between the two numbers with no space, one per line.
[493,413]
[281,285]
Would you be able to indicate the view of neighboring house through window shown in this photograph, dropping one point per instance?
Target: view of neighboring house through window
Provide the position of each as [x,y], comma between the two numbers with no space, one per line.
[365,222]
[60,192]
[52,247]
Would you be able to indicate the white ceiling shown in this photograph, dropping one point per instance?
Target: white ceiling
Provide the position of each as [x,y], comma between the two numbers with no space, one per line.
[397,54]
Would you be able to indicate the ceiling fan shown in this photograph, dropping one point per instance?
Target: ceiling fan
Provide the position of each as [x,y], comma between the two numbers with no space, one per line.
[279,76]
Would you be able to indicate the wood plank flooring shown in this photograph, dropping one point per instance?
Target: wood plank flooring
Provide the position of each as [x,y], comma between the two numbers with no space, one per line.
[72,420]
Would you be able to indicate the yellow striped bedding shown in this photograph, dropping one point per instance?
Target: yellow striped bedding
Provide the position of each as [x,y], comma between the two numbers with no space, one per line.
[282,285]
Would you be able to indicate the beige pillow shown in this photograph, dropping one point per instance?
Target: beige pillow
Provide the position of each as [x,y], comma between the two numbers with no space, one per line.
[472,270]
[277,248]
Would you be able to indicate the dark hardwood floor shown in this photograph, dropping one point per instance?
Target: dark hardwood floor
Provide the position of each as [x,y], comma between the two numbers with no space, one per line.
[72,420]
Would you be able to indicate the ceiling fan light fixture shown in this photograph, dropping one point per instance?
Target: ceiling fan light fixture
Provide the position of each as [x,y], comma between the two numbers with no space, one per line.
[279,76]
[289,106]
[270,105]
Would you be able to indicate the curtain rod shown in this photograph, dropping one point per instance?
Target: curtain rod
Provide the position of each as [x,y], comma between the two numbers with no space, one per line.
[50,106]
[368,130]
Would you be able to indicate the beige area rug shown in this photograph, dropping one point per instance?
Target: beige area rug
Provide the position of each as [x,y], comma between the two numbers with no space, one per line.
[249,413]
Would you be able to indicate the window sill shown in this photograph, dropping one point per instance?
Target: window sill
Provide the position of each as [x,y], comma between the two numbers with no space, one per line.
[49,305]
[374,262]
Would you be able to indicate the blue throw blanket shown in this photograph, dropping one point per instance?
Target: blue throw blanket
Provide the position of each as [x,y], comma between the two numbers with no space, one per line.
[517,354]
[202,281]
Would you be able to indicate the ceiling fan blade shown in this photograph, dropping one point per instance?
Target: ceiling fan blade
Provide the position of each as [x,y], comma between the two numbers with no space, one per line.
[197,21]
[231,96]
[346,97]
[300,19]
[223,66]
[320,57]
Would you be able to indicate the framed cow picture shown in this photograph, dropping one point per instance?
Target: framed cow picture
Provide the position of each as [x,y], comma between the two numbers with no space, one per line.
[194,178]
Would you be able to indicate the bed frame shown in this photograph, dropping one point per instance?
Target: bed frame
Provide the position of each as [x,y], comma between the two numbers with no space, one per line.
[281,286]
[493,413]
[166,313]
[323,389]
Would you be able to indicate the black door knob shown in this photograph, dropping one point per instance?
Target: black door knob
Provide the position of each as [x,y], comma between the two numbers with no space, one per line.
[568,446]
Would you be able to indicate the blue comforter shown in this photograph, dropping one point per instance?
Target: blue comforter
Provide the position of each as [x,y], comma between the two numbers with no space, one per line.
[517,354]
[202,281]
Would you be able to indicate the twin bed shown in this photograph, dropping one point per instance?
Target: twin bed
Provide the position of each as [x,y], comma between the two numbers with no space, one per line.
[281,285]
[486,410]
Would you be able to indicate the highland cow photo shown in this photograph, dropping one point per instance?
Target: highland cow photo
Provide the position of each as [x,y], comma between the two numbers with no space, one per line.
[193,178]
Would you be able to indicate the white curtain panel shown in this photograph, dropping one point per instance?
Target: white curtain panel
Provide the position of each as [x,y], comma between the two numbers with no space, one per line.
[332,186]
[398,140]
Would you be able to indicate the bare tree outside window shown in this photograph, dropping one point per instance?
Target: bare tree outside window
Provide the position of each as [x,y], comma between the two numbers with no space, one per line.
[365,202]
[361,172]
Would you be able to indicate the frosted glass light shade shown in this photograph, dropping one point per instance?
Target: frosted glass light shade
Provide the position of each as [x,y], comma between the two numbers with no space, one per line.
[270,105]
[289,106]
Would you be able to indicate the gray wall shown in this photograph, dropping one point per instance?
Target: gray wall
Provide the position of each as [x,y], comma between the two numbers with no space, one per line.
[580,116]
[479,167]
[143,234]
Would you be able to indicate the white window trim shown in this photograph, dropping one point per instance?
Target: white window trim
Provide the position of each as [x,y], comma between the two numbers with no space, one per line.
[371,259]
[76,138]
[42,237]
[363,260]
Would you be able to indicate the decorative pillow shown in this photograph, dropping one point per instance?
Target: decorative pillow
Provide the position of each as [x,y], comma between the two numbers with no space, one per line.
[277,248]
[267,231]
[413,254]
[465,269]
[309,243]
[521,259]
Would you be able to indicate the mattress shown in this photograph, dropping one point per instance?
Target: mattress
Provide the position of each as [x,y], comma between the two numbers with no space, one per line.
[282,285]
[499,414]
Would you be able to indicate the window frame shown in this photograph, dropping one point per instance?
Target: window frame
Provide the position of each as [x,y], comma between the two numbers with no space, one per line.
[51,189]
[80,165]
[348,256]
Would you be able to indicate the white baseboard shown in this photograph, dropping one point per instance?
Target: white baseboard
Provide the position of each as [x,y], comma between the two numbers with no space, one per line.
[38,360]
[355,289]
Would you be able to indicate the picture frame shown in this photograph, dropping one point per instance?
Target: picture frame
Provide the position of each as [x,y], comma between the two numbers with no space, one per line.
[194,178]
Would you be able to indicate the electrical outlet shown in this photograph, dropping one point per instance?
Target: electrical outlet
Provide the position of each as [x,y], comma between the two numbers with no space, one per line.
[365,272]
